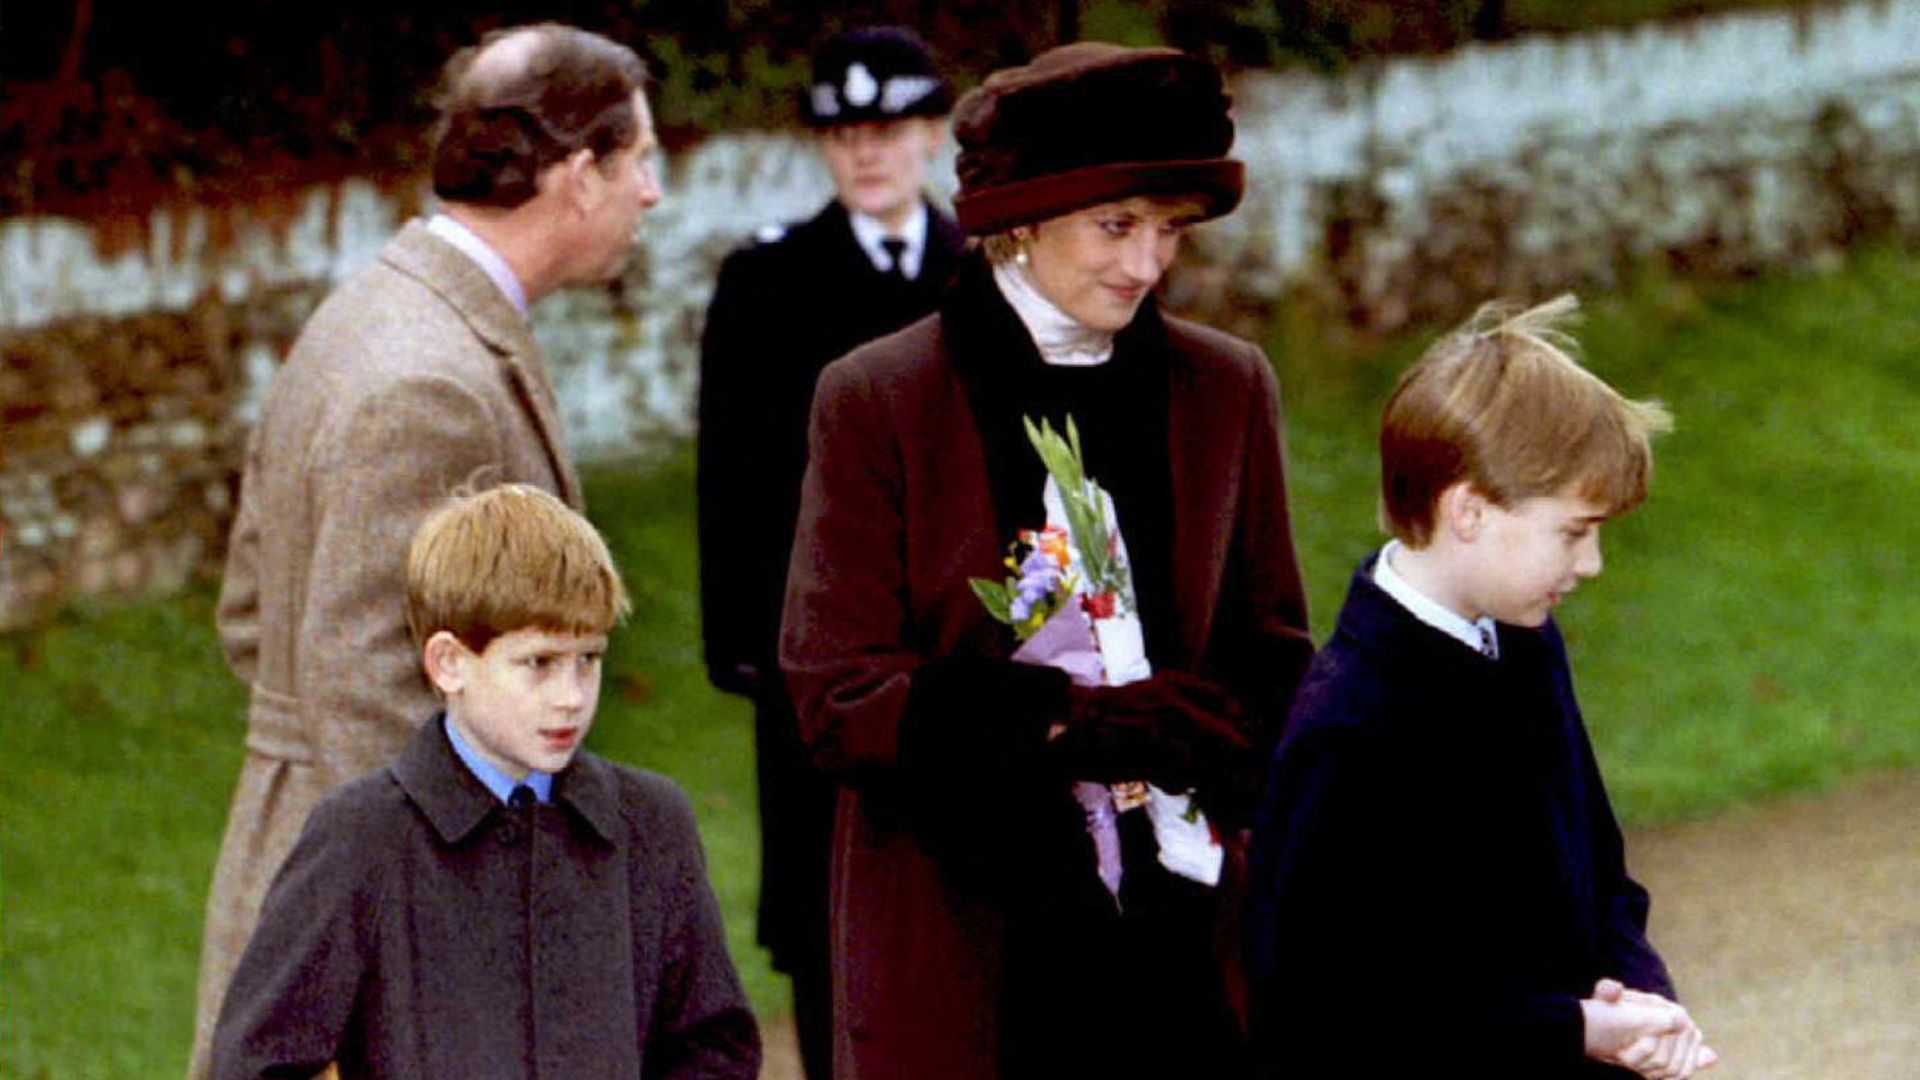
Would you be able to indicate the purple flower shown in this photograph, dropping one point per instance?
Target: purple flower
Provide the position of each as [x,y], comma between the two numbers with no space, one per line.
[1039,577]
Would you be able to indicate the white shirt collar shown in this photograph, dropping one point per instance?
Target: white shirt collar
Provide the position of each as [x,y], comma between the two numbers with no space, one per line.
[1472,634]
[870,232]
[1061,339]
[488,259]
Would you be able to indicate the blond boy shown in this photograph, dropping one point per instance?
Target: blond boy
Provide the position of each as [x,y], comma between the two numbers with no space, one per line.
[1438,878]
[496,902]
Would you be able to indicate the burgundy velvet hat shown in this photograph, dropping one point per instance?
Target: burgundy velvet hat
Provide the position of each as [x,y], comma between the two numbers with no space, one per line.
[1091,123]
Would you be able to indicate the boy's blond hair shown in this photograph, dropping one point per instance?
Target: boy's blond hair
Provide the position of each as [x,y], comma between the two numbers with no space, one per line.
[510,558]
[1502,404]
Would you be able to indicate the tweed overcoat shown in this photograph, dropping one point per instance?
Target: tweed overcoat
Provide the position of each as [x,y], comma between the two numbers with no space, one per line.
[897,514]
[415,377]
[420,928]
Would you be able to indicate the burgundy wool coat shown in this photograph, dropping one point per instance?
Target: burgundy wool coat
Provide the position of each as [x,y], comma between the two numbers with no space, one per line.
[897,514]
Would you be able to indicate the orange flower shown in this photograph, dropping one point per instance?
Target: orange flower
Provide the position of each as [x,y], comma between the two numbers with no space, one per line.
[1053,543]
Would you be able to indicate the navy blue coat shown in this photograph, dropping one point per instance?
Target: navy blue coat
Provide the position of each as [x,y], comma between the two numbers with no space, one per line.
[1435,863]
[782,310]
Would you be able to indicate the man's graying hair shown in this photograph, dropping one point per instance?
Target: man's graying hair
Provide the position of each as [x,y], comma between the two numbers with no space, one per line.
[523,99]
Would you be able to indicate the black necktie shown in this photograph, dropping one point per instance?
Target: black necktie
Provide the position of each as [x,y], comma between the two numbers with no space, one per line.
[521,799]
[896,250]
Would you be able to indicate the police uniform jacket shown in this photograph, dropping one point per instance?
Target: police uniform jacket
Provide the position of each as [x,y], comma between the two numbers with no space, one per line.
[782,310]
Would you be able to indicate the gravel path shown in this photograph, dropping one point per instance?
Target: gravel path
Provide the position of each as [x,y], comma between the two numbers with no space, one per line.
[1793,931]
[1792,928]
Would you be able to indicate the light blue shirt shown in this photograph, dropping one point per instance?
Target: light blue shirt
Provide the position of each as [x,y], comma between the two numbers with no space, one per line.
[491,775]
[1478,635]
[484,256]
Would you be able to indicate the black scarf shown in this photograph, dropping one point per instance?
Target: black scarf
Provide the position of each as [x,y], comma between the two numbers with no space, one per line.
[1120,408]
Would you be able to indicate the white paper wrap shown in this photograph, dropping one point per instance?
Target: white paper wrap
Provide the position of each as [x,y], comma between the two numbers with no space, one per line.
[1186,840]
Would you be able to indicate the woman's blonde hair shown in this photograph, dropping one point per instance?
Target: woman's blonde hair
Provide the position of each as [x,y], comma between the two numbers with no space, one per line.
[1502,404]
[510,558]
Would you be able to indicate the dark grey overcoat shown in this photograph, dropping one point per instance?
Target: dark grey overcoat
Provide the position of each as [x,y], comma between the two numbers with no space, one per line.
[422,929]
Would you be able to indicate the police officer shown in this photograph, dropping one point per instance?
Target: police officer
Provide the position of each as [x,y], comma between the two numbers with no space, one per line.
[872,261]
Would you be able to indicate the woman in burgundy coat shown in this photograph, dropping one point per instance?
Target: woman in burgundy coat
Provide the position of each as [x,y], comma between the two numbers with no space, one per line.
[972,936]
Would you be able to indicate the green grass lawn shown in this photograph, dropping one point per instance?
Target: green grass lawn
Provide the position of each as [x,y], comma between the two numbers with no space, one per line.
[1752,635]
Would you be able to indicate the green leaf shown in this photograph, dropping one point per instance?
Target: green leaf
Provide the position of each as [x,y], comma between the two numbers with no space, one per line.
[995,597]
[1083,499]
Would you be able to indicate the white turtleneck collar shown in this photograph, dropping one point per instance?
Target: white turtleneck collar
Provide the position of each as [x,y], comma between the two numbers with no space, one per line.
[1061,339]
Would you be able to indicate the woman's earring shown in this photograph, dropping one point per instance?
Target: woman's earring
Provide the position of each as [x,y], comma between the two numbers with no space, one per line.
[1020,256]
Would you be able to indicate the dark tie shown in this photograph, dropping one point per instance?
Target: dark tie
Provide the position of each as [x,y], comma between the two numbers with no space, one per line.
[896,250]
[513,825]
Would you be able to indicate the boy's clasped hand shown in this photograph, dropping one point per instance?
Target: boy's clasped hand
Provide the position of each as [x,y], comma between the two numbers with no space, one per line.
[1644,1032]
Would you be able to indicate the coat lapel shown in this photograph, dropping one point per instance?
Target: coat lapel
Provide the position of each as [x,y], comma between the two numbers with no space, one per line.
[493,318]
[448,795]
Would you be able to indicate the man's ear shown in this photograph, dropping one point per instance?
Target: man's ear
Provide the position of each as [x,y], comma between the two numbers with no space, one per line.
[1463,510]
[444,657]
[572,178]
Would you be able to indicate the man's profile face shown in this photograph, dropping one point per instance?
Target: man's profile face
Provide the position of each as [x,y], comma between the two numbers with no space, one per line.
[627,189]
[880,168]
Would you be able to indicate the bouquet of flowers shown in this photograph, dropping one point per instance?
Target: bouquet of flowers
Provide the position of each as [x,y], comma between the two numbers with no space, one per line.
[1071,603]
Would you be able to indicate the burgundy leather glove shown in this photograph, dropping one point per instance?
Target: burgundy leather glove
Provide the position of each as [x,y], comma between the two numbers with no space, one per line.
[1176,730]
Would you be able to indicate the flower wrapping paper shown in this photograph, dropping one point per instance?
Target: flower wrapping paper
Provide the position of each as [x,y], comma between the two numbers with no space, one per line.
[1111,651]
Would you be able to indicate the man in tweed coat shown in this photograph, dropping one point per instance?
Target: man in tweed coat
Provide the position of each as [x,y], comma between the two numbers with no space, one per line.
[417,376]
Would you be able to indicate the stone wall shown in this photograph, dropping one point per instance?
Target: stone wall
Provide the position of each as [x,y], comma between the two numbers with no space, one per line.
[134,347]
[121,440]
